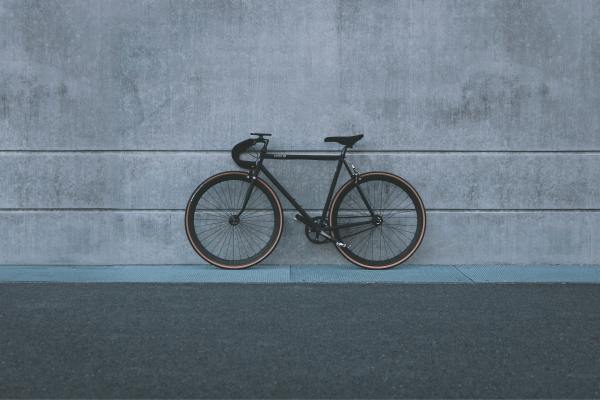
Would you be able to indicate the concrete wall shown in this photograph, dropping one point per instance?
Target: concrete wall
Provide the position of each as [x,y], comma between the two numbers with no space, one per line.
[111,112]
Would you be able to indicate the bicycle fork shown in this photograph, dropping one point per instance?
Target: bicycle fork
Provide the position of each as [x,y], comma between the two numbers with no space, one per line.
[252,177]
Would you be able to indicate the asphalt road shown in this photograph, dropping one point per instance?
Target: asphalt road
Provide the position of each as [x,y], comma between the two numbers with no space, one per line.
[299,340]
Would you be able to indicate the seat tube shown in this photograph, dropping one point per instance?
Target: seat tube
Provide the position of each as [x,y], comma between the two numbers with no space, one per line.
[333,184]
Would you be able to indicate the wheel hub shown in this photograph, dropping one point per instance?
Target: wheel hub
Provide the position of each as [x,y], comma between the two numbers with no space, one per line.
[378,220]
[234,220]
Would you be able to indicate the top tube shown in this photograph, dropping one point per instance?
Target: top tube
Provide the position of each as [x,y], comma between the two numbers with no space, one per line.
[317,157]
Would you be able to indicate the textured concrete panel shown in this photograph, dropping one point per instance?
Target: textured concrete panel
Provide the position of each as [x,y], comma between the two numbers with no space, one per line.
[144,273]
[350,273]
[514,76]
[197,74]
[303,273]
[98,238]
[166,180]
[532,273]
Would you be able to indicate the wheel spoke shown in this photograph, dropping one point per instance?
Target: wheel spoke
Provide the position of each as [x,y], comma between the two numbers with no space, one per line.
[222,235]
[396,230]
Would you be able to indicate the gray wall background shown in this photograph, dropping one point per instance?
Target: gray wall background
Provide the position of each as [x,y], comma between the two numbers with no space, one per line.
[111,112]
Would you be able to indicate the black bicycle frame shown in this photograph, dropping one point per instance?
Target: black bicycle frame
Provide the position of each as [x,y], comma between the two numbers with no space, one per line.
[307,219]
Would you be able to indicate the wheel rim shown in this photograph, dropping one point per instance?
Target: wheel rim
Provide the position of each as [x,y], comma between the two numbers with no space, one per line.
[220,235]
[395,231]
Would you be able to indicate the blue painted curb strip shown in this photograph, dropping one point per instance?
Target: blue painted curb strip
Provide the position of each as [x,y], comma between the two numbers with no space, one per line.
[303,273]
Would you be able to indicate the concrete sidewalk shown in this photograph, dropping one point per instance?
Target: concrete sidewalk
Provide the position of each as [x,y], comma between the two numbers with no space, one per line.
[469,274]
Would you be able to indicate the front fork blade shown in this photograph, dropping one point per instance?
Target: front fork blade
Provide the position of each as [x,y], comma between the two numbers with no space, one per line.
[252,178]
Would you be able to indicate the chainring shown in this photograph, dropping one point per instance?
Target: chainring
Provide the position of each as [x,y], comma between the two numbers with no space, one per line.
[315,237]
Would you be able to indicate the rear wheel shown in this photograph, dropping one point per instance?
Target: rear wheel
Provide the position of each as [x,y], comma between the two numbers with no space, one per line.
[390,235]
[221,236]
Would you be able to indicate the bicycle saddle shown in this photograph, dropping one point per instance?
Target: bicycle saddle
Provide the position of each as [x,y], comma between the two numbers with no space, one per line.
[345,140]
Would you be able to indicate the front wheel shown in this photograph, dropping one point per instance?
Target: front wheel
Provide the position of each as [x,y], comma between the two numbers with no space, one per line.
[222,235]
[389,233]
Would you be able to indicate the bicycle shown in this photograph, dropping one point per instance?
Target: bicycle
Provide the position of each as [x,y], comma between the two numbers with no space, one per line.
[234,219]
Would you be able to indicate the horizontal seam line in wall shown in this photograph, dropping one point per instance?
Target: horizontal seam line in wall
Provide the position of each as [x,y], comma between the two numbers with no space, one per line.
[164,210]
[595,152]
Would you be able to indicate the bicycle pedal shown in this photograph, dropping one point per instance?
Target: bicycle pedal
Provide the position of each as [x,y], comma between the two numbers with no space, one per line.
[342,244]
[299,218]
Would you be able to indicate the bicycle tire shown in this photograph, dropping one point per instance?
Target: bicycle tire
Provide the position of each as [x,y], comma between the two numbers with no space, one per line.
[398,228]
[215,218]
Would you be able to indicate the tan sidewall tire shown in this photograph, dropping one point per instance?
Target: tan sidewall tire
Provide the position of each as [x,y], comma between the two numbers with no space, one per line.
[336,198]
[265,186]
